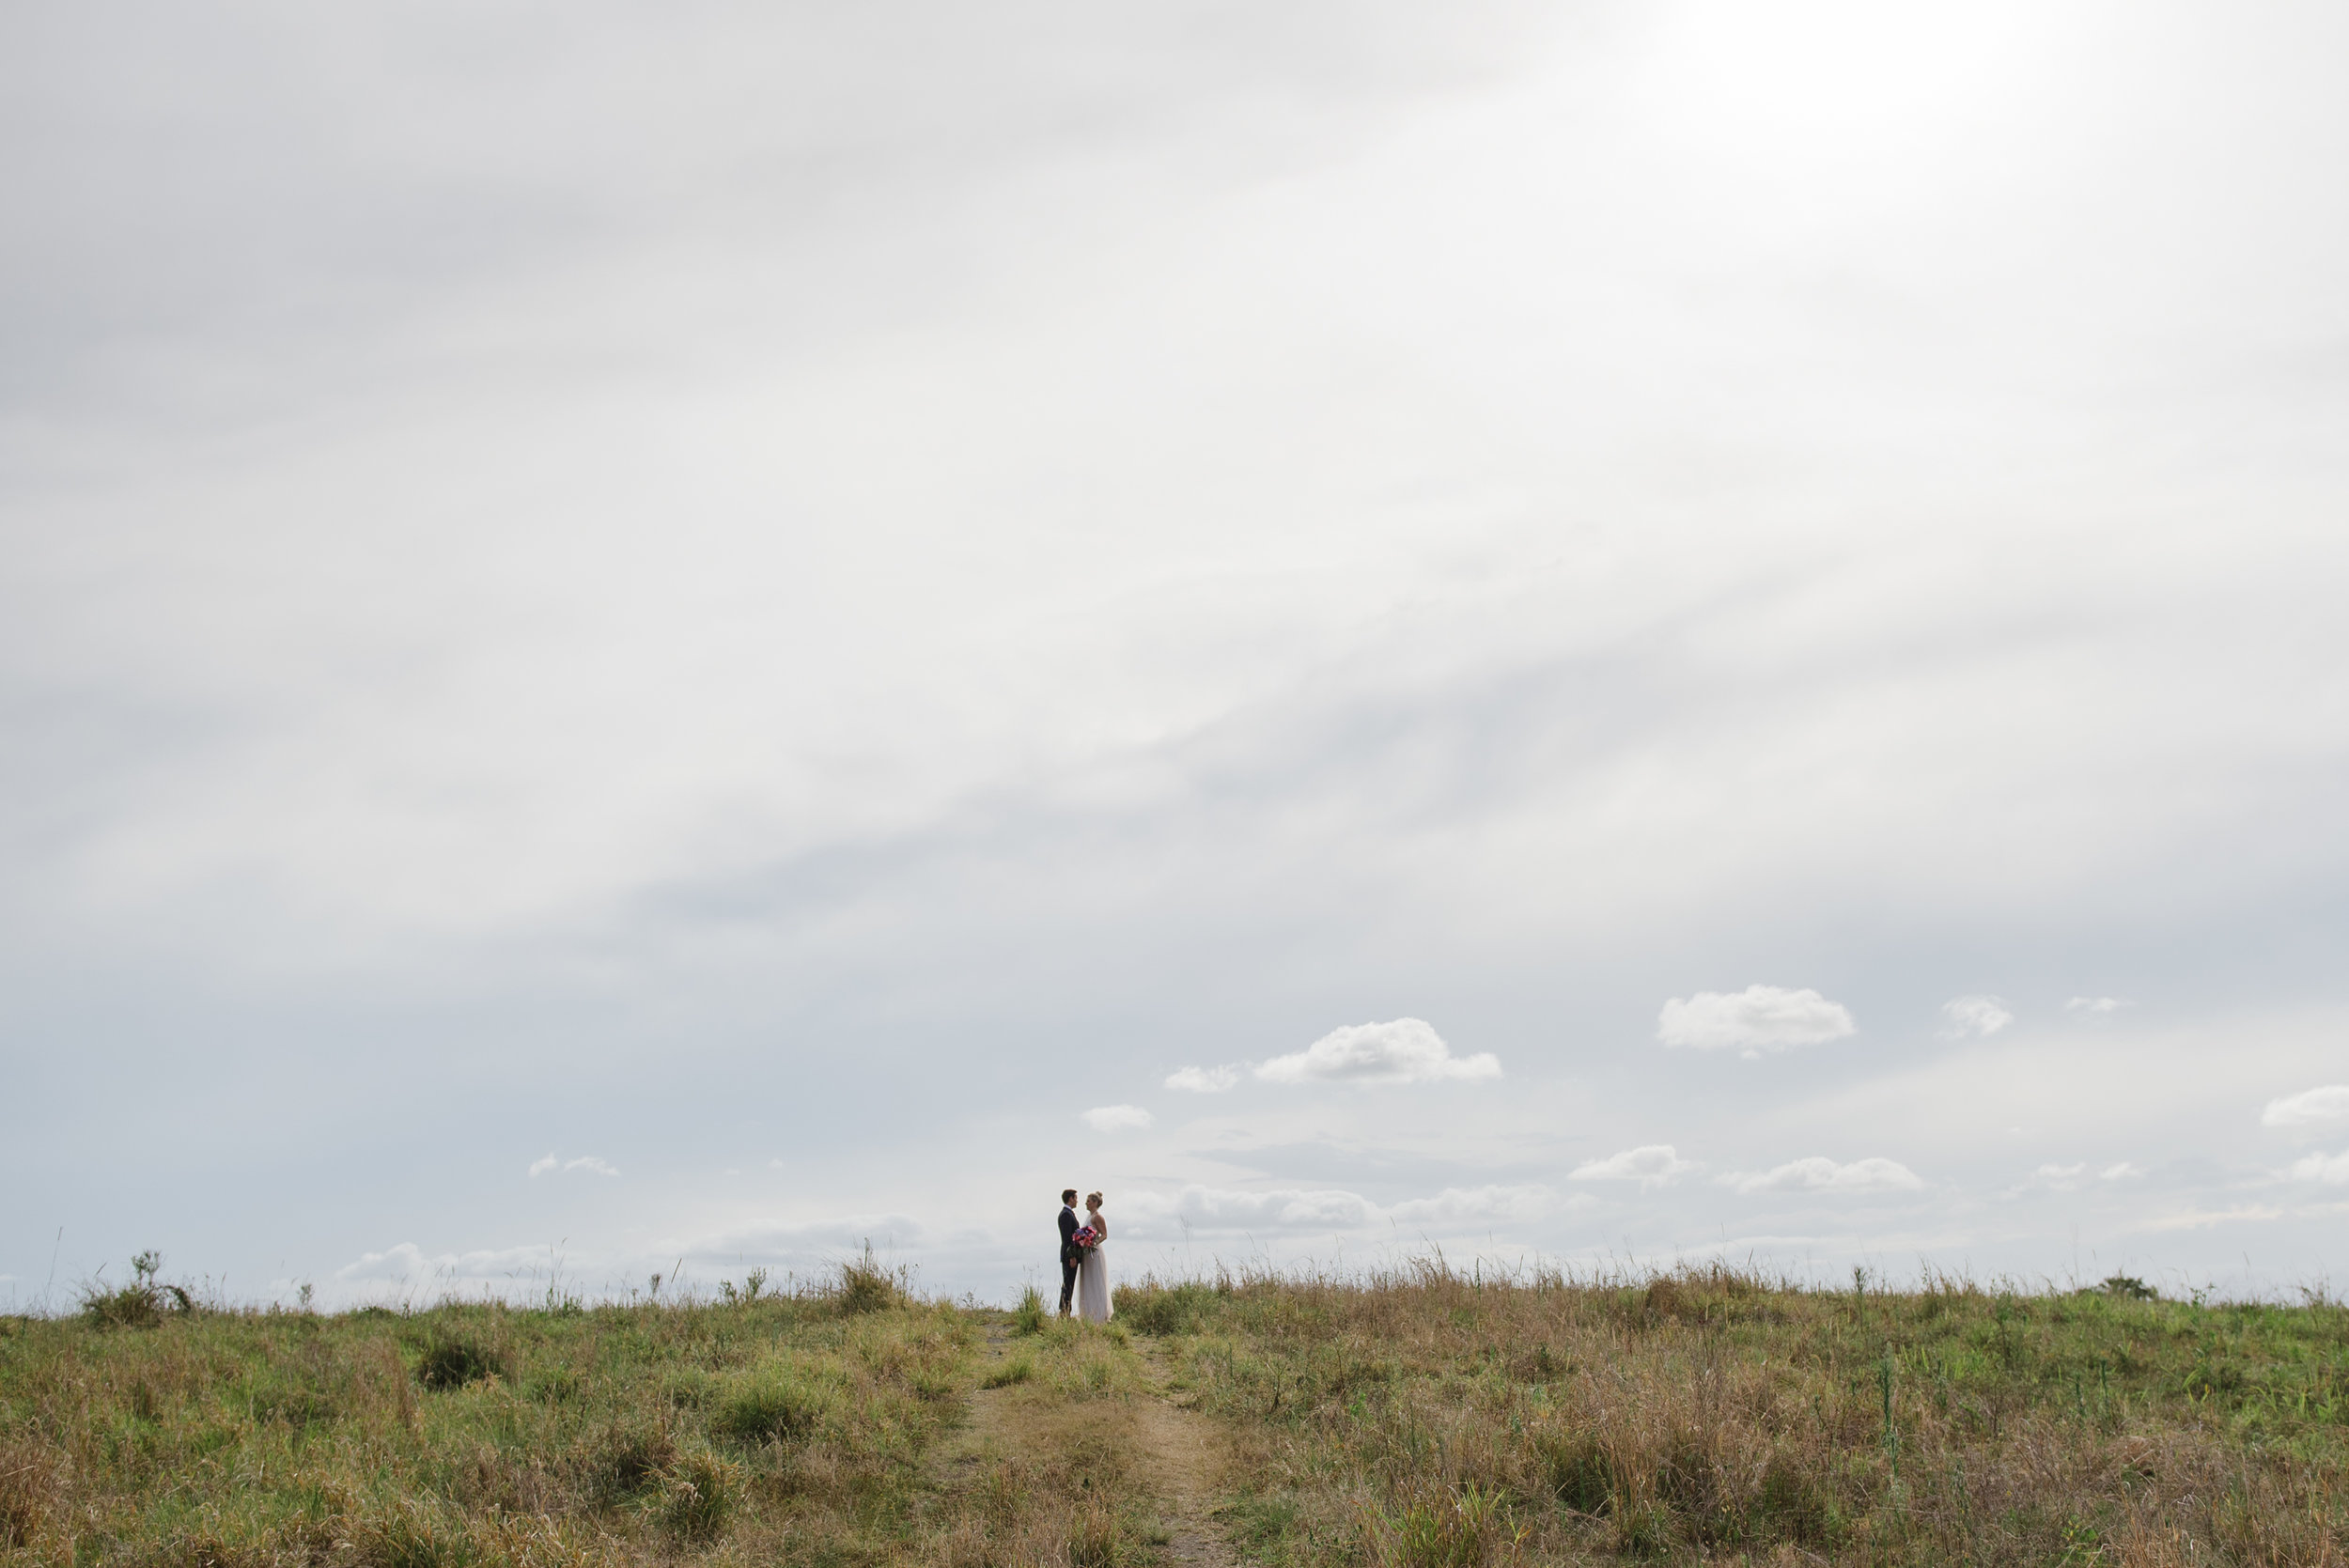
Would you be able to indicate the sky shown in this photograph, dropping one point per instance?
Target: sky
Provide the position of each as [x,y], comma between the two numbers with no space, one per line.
[674,639]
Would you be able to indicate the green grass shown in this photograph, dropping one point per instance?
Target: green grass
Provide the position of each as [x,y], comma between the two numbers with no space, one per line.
[793,1429]
[1428,1419]
[1416,1420]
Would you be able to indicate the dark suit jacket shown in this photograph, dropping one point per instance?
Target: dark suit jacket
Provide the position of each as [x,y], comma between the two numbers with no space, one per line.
[1069,1251]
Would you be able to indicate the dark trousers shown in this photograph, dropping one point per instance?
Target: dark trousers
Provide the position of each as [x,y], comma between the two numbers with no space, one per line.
[1067,1286]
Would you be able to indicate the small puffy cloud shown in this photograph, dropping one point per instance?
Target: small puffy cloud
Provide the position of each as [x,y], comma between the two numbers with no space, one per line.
[1974,1017]
[1650,1165]
[2093,1007]
[1115,1118]
[2331,1168]
[1821,1174]
[2327,1104]
[2070,1179]
[1203,1080]
[1408,1051]
[409,1265]
[1756,1019]
[585,1162]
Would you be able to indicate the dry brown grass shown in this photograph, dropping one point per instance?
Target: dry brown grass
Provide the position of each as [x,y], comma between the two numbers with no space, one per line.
[1420,1421]
[756,1430]
[1431,1419]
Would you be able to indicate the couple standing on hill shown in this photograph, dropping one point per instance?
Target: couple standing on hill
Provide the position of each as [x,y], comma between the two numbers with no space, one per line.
[1085,1273]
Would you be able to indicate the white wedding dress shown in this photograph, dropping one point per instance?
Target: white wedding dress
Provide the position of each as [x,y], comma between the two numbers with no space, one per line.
[1093,1276]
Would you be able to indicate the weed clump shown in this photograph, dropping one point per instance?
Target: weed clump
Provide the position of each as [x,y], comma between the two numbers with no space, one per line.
[143,1303]
[698,1495]
[619,1462]
[769,1407]
[865,1286]
[1165,1310]
[451,1361]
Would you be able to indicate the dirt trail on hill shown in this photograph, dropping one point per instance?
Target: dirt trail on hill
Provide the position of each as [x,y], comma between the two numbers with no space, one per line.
[1180,1454]
[1184,1453]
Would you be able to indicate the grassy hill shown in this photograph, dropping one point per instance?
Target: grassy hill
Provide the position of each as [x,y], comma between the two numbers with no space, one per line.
[1424,1418]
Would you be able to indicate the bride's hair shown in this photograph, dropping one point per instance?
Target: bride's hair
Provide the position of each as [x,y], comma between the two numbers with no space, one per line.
[1093,1200]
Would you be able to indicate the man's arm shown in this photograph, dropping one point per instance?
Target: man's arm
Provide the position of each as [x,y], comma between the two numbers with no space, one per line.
[1067,1224]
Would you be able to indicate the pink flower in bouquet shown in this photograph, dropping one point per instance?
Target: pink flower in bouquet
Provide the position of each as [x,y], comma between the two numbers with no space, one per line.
[1086,1237]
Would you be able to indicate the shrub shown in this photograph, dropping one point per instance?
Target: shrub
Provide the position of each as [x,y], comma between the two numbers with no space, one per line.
[865,1286]
[698,1494]
[1162,1310]
[1441,1528]
[453,1360]
[409,1535]
[141,1304]
[621,1461]
[1018,1369]
[1027,1317]
[1092,1538]
[772,1406]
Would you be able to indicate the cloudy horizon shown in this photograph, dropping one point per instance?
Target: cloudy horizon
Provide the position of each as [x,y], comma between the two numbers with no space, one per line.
[1592,634]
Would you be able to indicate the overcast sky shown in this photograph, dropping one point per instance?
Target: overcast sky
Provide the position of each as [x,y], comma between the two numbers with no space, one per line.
[1602,632]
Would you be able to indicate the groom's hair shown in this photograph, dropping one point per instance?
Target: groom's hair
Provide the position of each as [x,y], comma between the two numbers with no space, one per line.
[1069,1196]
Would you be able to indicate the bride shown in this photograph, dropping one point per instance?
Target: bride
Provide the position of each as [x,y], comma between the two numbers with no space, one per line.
[1093,1276]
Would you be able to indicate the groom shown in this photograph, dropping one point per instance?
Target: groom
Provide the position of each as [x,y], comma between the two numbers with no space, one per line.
[1070,1253]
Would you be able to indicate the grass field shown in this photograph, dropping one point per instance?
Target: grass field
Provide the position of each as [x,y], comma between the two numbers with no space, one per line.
[1422,1419]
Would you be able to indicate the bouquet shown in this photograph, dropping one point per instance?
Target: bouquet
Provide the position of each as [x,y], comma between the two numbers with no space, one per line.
[1086,1238]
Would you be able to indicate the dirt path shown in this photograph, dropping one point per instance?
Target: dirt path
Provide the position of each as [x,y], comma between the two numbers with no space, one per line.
[1180,1454]
[1184,1449]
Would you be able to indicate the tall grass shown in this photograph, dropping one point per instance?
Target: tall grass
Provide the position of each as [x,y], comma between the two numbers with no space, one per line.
[758,1427]
[1416,1419]
[1424,1418]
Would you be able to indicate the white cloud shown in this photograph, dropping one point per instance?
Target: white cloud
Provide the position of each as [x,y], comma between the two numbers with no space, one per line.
[800,1241]
[2070,1179]
[408,1263]
[1756,1019]
[1974,1017]
[585,1162]
[1650,1165]
[2332,1168]
[1222,1210]
[1212,1211]
[2198,1219]
[1819,1173]
[1115,1118]
[1461,1205]
[2094,1007]
[2326,1104]
[1408,1051]
[1203,1080]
